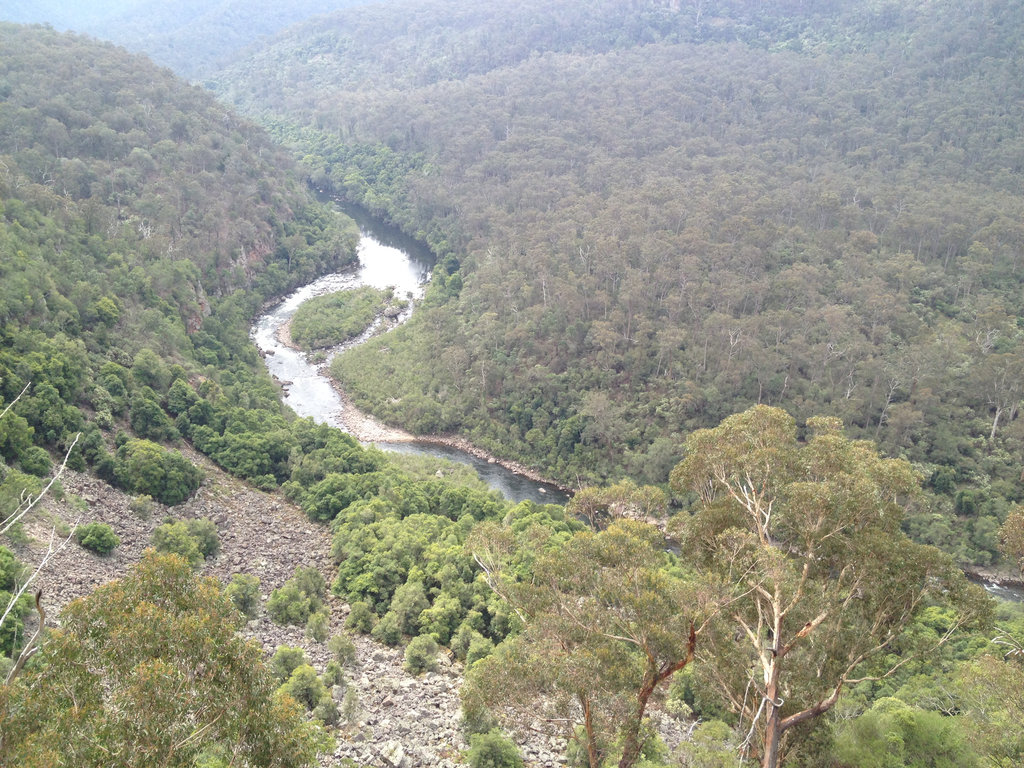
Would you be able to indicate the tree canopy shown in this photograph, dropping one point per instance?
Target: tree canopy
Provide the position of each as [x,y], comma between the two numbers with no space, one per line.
[606,622]
[824,579]
[150,670]
[651,215]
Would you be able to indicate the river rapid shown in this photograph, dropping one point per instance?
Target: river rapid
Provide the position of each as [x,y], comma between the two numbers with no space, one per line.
[387,258]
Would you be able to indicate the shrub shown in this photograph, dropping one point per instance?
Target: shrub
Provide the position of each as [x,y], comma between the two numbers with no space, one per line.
[10,569]
[462,639]
[310,581]
[195,540]
[304,686]
[299,597]
[493,750]
[204,531]
[333,674]
[285,661]
[326,711]
[479,648]
[142,506]
[343,648]
[244,591]
[173,536]
[409,601]
[318,627]
[36,461]
[361,618]
[387,630]
[350,708]
[97,537]
[421,655]
[143,467]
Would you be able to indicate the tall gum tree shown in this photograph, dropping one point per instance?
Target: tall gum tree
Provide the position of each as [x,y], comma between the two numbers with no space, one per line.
[607,622]
[825,580]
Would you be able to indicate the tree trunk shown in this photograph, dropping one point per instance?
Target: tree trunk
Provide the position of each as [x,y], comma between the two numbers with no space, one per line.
[773,733]
[593,753]
[653,677]
[773,727]
[631,744]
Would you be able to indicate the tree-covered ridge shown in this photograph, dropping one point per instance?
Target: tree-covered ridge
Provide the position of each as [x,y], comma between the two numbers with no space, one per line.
[642,239]
[132,210]
[190,36]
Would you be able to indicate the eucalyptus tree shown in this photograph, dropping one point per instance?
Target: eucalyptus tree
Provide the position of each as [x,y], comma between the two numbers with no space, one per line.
[824,580]
[150,670]
[606,622]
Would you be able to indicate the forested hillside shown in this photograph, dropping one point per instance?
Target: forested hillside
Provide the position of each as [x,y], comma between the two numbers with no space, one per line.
[142,227]
[621,258]
[649,217]
[190,36]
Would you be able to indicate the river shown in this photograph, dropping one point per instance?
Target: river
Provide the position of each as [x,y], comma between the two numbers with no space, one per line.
[387,258]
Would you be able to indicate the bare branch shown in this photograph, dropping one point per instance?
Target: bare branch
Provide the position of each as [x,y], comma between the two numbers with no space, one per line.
[30,502]
[29,648]
[11,404]
[50,552]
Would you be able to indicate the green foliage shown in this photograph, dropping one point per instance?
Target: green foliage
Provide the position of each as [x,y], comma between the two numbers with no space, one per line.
[326,710]
[608,622]
[361,618]
[162,648]
[36,461]
[836,508]
[388,630]
[195,540]
[408,602]
[894,735]
[421,655]
[285,661]
[204,531]
[143,467]
[480,647]
[326,321]
[712,744]
[142,505]
[97,537]
[990,697]
[333,674]
[244,592]
[406,557]
[11,569]
[298,598]
[350,708]
[12,631]
[556,329]
[343,648]
[173,537]
[304,686]
[493,750]
[318,627]
[462,639]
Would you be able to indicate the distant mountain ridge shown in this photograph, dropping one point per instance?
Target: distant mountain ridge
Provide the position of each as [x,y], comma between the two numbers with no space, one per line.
[648,217]
[191,37]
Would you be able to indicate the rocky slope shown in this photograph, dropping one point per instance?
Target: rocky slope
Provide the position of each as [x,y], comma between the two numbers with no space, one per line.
[404,721]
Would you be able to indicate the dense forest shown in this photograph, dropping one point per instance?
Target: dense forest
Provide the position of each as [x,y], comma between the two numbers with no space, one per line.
[753,264]
[191,37]
[649,217]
